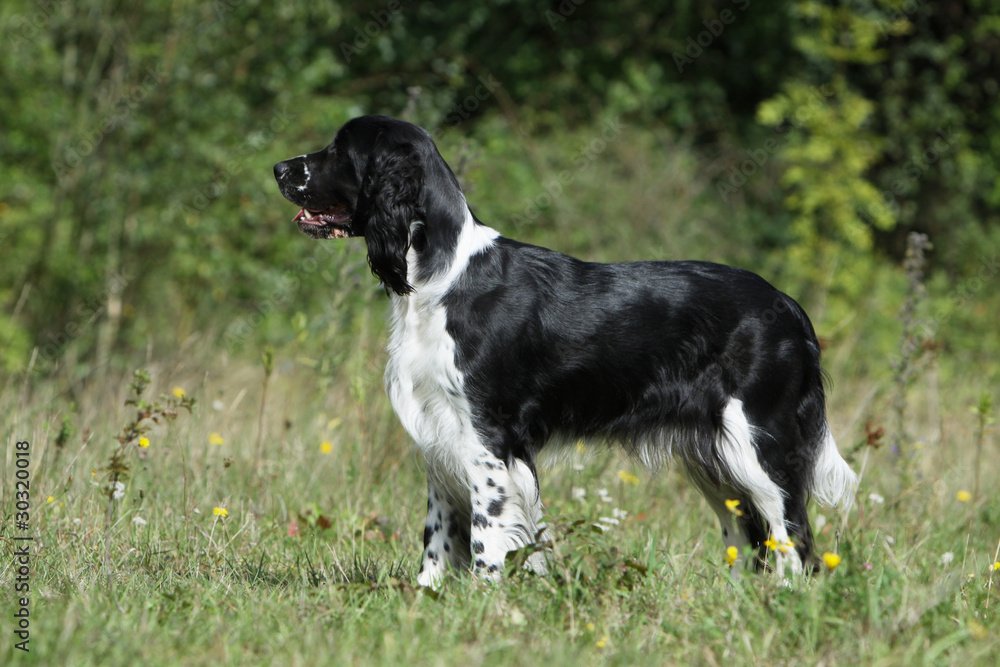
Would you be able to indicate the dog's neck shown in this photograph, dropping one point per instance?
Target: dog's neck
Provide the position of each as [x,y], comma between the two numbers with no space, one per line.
[433,269]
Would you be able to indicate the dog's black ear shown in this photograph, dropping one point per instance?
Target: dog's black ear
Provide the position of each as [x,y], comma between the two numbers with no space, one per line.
[387,204]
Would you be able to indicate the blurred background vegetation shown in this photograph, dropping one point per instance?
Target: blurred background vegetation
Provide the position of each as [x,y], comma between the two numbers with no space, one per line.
[803,140]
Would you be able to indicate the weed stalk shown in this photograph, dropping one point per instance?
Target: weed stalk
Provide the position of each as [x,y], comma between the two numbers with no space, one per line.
[267,358]
[984,417]
[147,415]
[904,368]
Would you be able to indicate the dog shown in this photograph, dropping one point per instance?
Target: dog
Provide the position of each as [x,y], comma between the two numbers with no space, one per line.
[499,348]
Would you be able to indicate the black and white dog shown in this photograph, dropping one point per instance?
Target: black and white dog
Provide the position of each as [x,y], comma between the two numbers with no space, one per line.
[498,348]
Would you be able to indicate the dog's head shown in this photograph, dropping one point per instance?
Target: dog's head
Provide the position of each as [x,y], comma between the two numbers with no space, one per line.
[378,177]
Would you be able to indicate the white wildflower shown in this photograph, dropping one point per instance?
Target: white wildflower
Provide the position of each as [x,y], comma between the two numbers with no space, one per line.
[579,493]
[139,521]
[947,557]
[876,498]
[118,491]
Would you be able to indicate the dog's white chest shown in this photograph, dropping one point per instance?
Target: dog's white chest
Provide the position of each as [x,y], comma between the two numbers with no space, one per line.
[423,382]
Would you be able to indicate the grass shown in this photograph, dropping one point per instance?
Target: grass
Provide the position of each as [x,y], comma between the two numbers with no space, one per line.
[314,560]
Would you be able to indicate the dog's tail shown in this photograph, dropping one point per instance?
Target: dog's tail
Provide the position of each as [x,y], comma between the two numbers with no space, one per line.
[833,481]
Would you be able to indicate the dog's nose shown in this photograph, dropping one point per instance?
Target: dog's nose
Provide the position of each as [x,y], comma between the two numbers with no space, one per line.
[281,169]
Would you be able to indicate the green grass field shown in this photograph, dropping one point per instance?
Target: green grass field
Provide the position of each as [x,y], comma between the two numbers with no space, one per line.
[314,560]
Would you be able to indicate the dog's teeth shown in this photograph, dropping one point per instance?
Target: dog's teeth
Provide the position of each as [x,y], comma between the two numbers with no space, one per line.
[309,215]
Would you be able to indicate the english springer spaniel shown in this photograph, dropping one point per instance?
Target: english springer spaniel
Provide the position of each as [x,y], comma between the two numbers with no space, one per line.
[498,348]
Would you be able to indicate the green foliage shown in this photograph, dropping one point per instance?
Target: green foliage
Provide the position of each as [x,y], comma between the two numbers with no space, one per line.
[137,200]
[889,146]
[831,147]
[15,344]
[877,141]
[828,153]
[936,91]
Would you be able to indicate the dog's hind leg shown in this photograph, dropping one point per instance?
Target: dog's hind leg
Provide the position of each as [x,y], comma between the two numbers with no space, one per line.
[764,499]
[825,475]
[732,518]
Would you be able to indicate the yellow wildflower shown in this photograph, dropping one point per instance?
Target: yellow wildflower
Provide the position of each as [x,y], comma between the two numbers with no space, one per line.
[602,642]
[733,507]
[771,543]
[590,627]
[221,512]
[627,477]
[996,565]
[786,547]
[326,447]
[179,393]
[215,439]
[732,553]
[144,441]
[963,496]
[51,499]
[831,560]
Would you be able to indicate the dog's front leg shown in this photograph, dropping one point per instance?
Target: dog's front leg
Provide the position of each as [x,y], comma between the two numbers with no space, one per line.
[446,534]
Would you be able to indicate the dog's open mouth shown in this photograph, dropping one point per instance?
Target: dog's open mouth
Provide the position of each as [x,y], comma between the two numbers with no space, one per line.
[328,223]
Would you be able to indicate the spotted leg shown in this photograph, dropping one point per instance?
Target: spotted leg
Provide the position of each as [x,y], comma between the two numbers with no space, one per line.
[446,534]
[506,513]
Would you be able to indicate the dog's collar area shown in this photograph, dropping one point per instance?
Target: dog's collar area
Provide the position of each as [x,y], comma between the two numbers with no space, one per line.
[333,222]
